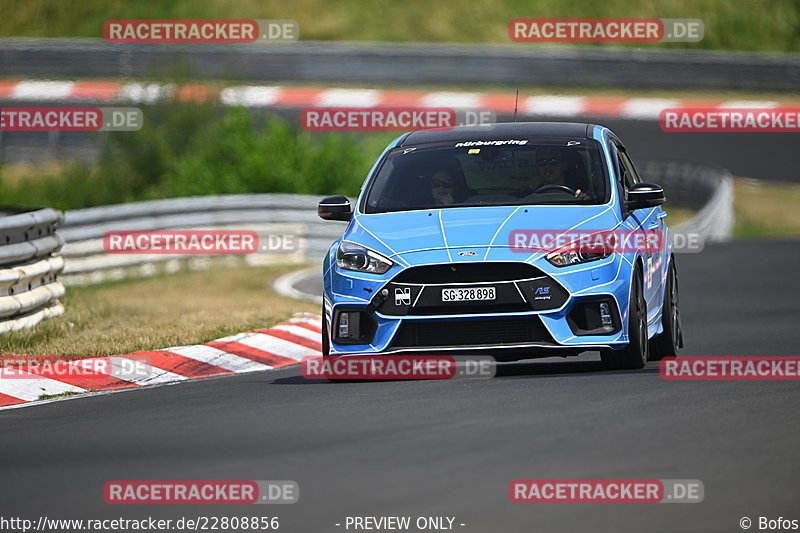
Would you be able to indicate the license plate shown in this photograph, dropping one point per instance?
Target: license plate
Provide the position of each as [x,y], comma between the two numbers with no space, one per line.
[468,294]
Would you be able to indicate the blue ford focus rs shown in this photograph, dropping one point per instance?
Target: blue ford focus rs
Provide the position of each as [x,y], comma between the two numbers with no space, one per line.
[460,243]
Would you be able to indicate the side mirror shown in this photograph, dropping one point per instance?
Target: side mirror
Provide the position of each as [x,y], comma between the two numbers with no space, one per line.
[335,208]
[644,195]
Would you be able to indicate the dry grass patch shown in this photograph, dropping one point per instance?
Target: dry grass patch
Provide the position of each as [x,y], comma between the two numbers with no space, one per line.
[766,209]
[145,314]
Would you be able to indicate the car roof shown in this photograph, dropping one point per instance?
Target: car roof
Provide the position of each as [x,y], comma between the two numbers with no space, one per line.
[500,131]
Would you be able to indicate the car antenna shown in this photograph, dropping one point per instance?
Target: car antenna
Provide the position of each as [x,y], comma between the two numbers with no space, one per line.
[516,102]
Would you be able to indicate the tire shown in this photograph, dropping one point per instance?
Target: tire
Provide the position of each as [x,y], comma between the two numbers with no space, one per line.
[666,344]
[326,341]
[636,353]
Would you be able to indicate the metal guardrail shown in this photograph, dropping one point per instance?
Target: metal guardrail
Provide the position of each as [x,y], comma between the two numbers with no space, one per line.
[267,214]
[705,189]
[405,64]
[29,265]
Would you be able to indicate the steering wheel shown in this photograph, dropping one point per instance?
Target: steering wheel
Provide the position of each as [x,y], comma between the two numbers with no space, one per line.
[561,188]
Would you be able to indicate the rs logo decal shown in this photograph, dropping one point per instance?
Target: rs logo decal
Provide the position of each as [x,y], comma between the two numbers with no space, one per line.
[402,296]
[542,290]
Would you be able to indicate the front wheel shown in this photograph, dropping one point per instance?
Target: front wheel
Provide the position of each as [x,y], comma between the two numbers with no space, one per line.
[666,343]
[636,353]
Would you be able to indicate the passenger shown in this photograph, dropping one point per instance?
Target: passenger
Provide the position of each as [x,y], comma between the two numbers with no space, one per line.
[448,187]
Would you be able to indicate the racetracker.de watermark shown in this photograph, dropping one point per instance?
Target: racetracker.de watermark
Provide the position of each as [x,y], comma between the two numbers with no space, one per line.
[208,242]
[397,367]
[730,368]
[133,367]
[586,241]
[602,241]
[391,118]
[606,491]
[219,31]
[201,492]
[71,119]
[722,120]
[605,30]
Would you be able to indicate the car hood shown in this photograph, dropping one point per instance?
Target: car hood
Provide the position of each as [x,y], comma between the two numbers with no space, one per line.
[442,234]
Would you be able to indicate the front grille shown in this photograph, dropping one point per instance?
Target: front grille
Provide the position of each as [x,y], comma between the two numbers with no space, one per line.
[471,308]
[455,333]
[468,272]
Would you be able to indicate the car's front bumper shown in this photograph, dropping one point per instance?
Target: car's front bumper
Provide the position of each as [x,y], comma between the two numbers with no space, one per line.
[551,312]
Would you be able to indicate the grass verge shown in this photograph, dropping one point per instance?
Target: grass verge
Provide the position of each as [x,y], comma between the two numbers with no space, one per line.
[766,209]
[771,26]
[145,314]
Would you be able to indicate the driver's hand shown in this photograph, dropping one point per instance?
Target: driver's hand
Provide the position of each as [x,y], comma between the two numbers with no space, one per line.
[581,195]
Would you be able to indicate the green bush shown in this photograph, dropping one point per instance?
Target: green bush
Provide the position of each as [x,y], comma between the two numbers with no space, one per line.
[187,150]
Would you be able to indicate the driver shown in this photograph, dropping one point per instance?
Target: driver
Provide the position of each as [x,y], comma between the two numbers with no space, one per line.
[552,167]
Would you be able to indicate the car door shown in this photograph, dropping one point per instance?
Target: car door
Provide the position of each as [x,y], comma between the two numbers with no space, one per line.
[649,219]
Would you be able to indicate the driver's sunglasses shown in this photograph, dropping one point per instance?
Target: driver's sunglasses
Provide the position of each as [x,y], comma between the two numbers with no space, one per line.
[552,161]
[442,183]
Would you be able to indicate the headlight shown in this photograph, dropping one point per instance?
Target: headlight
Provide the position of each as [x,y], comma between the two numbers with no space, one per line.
[355,257]
[571,257]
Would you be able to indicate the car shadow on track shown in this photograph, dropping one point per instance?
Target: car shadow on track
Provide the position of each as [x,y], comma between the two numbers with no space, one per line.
[529,368]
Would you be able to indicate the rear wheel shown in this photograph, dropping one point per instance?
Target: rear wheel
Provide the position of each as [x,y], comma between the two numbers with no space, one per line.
[635,354]
[666,343]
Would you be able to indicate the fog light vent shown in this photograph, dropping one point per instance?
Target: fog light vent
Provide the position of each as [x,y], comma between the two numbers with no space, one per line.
[605,315]
[353,326]
[344,325]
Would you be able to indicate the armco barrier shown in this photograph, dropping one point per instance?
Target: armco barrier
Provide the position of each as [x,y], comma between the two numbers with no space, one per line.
[274,214]
[406,63]
[707,190]
[29,265]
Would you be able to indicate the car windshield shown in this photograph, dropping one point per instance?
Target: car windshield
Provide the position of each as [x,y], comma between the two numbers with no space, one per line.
[481,173]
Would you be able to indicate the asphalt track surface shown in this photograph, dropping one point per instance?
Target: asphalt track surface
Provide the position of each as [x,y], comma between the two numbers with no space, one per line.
[436,448]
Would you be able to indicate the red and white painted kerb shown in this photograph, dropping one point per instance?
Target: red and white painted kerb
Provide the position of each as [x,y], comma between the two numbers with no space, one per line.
[284,344]
[282,96]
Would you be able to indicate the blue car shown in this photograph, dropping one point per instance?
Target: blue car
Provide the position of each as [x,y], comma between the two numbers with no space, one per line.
[460,243]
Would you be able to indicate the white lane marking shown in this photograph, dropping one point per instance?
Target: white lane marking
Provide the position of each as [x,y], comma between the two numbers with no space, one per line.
[316,322]
[268,343]
[450,99]
[647,108]
[348,98]
[300,332]
[42,90]
[145,93]
[220,358]
[30,387]
[554,105]
[747,104]
[249,96]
